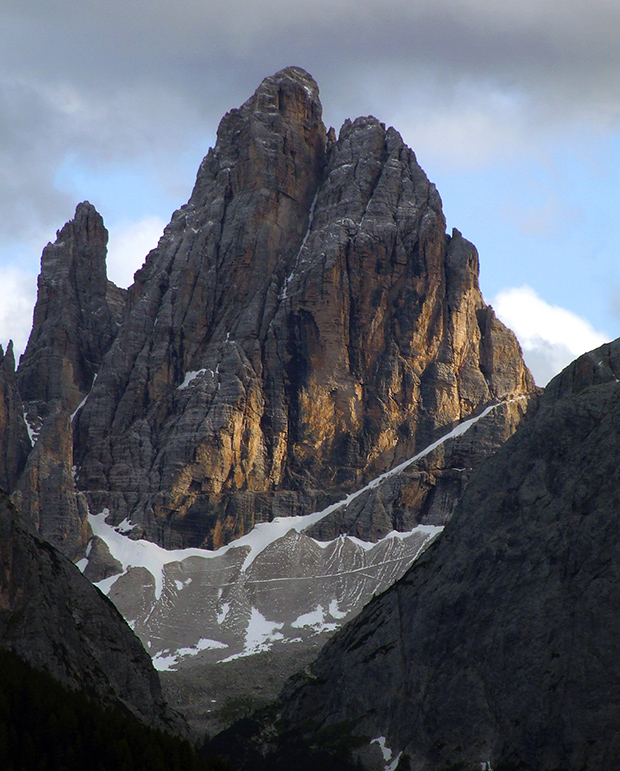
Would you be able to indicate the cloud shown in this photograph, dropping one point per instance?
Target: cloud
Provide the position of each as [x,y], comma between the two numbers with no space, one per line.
[469,79]
[128,246]
[18,292]
[550,336]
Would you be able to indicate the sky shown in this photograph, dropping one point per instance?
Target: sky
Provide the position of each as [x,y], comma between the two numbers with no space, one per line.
[512,109]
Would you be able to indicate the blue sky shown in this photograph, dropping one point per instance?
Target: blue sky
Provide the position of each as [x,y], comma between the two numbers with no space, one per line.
[512,108]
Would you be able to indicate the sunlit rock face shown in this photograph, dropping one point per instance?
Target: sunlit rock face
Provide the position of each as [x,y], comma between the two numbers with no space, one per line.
[499,647]
[304,324]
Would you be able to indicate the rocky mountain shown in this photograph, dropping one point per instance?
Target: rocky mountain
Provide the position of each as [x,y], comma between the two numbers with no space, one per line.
[304,324]
[294,392]
[499,648]
[53,618]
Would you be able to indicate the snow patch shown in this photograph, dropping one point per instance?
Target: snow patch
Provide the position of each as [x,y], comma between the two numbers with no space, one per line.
[189,377]
[394,764]
[223,613]
[83,402]
[166,660]
[259,635]
[315,619]
[283,293]
[139,554]
[334,610]
[385,750]
[124,527]
[33,434]
[163,663]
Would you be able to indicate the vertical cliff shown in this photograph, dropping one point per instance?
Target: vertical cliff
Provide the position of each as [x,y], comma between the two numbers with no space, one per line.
[304,323]
[15,442]
[76,318]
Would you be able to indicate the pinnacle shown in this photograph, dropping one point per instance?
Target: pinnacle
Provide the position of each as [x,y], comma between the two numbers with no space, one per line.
[288,80]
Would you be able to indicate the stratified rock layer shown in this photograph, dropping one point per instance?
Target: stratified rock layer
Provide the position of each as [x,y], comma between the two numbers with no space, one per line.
[304,324]
[56,620]
[500,645]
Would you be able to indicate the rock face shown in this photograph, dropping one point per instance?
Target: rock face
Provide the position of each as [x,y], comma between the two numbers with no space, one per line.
[500,645]
[76,317]
[304,327]
[304,324]
[56,620]
[45,493]
[15,442]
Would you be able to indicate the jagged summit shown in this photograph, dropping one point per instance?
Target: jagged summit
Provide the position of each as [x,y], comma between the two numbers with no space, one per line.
[304,326]
[304,323]
[275,91]
[75,320]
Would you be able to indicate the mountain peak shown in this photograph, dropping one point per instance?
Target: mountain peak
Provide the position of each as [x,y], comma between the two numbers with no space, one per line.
[287,80]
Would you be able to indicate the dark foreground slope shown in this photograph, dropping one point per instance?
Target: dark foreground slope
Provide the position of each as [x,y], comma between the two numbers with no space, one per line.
[502,643]
[53,618]
[44,725]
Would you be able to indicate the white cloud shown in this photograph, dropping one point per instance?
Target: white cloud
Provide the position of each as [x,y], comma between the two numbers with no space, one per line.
[550,336]
[18,292]
[129,244]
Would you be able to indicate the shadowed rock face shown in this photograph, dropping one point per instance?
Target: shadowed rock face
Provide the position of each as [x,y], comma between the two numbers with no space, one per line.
[501,643]
[15,444]
[56,620]
[75,317]
[303,324]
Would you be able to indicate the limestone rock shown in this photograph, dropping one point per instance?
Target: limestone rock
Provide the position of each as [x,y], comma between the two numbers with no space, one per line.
[14,439]
[45,494]
[75,317]
[304,324]
[427,492]
[56,620]
[503,637]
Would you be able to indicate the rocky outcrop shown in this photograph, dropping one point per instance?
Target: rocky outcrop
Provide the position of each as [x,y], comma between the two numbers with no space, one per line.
[54,618]
[46,495]
[15,444]
[304,324]
[75,318]
[426,491]
[503,636]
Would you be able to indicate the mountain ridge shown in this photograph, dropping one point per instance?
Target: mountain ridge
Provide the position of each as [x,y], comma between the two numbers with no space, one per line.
[304,326]
[327,324]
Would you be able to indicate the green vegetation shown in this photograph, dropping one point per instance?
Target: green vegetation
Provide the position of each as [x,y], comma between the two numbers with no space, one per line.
[46,727]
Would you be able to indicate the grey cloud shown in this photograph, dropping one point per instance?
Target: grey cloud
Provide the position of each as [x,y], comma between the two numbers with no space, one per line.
[117,80]
[545,360]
